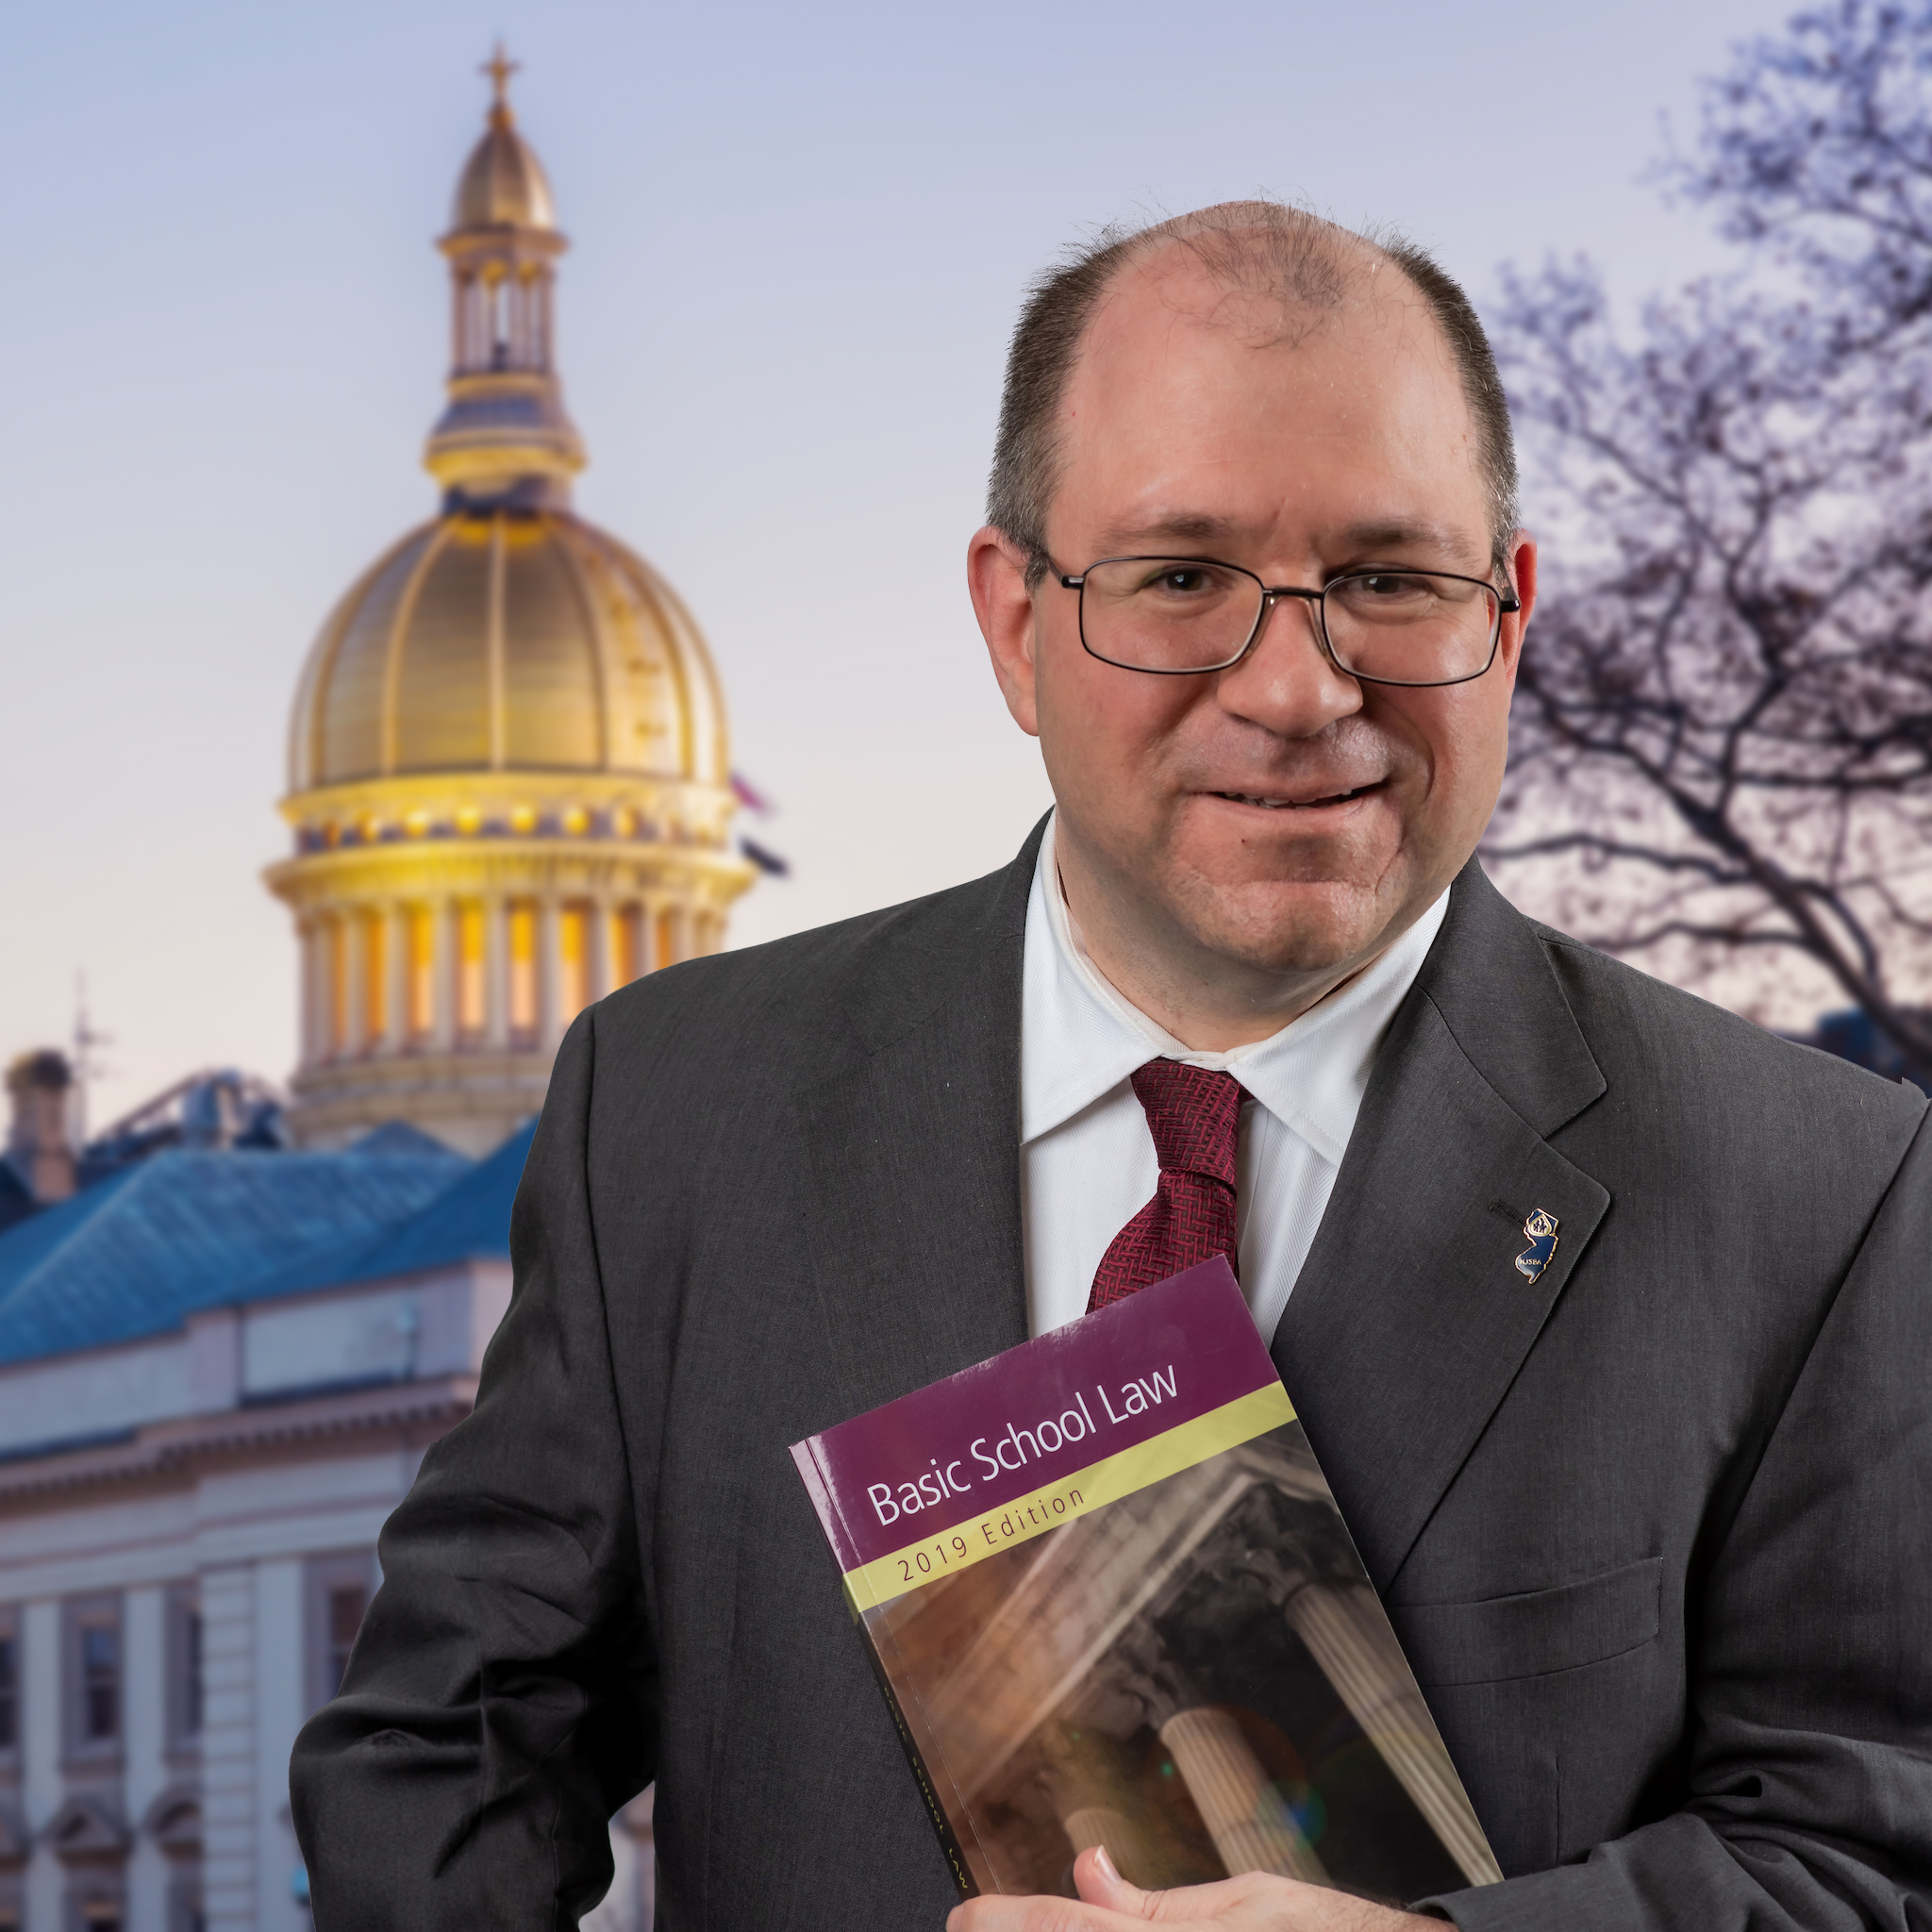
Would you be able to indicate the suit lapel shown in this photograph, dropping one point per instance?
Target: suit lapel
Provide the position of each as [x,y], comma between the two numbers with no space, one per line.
[914,1148]
[1410,1320]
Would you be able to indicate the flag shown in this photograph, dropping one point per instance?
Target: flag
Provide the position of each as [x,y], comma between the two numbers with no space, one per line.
[765,861]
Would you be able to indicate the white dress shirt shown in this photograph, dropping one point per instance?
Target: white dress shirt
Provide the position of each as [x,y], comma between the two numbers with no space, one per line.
[1087,1162]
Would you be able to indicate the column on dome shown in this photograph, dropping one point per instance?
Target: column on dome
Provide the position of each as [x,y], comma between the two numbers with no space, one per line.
[645,937]
[374,977]
[673,931]
[600,948]
[330,988]
[395,972]
[550,962]
[577,925]
[335,970]
[496,972]
[419,1029]
[463,293]
[470,929]
[445,971]
[527,974]
[622,963]
[307,946]
[355,995]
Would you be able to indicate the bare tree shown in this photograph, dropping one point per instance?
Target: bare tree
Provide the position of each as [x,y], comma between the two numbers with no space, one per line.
[1723,735]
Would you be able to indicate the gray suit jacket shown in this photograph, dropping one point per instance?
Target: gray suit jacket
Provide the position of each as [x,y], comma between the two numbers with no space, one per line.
[1656,1530]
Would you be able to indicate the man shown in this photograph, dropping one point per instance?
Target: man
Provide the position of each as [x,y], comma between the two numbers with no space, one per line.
[1655,1527]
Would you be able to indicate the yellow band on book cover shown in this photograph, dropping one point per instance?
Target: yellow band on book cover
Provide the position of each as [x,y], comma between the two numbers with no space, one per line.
[1107,1481]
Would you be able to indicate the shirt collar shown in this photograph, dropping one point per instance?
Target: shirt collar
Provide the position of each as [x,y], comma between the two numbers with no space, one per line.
[1081,1037]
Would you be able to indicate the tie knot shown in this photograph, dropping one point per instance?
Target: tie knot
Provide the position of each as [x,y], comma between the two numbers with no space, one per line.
[1194,1113]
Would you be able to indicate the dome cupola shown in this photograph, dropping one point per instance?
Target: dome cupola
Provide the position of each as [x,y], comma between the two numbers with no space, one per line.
[505,435]
[503,184]
[508,773]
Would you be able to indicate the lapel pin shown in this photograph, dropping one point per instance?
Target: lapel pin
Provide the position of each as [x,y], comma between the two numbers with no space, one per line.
[1539,1231]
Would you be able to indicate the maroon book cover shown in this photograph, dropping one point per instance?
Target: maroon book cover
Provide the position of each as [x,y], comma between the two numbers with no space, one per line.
[1111,1601]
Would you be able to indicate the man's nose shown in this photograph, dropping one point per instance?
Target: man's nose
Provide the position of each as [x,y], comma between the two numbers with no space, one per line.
[1288,683]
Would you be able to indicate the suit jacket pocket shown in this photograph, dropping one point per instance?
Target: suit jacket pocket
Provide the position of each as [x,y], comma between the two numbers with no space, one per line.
[1495,1638]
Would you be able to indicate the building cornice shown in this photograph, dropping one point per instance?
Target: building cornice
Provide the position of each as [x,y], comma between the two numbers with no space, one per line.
[416,1412]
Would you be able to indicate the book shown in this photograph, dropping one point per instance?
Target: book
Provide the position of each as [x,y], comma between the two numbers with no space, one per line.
[1111,1601]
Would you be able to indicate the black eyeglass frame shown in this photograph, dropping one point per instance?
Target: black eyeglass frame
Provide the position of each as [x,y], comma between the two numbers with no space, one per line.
[1508,605]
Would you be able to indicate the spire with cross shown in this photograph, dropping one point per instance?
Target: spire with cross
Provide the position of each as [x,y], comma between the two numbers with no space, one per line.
[499,67]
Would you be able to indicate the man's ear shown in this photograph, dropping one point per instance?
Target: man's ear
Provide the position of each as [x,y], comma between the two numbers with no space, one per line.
[1523,574]
[996,578]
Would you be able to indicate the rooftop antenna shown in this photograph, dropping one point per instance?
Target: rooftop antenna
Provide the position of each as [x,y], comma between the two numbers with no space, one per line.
[86,1067]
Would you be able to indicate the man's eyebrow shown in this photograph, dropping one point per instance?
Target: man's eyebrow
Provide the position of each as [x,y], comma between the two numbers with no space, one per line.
[1377,539]
[1402,533]
[1186,529]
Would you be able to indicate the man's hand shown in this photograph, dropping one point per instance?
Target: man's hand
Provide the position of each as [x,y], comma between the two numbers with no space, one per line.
[1256,1902]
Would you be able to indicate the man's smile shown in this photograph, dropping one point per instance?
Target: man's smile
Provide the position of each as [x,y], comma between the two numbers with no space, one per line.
[1288,800]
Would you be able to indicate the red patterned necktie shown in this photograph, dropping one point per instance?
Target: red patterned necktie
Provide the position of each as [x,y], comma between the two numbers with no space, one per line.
[1193,1114]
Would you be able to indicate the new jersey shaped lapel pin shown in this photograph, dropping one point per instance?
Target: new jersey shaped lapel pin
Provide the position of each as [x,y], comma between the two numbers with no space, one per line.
[1539,1231]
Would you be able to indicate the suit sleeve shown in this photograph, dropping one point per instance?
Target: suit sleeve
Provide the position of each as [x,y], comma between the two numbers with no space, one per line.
[1809,1739]
[499,1704]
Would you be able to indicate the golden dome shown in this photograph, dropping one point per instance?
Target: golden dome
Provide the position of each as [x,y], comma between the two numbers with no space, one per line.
[507,641]
[508,784]
[503,184]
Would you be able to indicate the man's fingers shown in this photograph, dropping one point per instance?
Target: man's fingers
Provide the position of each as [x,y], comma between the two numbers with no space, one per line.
[1253,1903]
[996,1913]
[1100,1884]
[1108,1903]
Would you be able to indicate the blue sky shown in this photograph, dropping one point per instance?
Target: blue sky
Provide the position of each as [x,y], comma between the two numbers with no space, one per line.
[800,236]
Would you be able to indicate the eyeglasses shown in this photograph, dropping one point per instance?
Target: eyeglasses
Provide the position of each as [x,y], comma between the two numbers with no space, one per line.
[1179,616]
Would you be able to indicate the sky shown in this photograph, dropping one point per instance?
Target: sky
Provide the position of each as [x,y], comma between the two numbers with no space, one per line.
[800,237]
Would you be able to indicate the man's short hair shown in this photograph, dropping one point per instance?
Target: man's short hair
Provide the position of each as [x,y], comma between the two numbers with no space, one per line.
[1261,247]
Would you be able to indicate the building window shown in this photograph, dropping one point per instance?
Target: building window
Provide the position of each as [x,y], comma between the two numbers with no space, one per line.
[339,1592]
[9,1687]
[184,1698]
[94,1676]
[97,1908]
[522,971]
[100,1683]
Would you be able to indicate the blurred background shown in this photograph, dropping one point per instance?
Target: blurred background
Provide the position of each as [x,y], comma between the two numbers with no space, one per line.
[264,1132]
[800,238]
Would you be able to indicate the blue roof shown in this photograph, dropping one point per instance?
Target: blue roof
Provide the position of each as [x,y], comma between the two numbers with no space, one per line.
[469,1221]
[189,1229]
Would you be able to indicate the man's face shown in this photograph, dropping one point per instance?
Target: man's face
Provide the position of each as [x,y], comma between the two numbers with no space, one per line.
[1278,813]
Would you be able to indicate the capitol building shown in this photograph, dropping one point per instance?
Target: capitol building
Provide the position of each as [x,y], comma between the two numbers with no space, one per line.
[232,1323]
